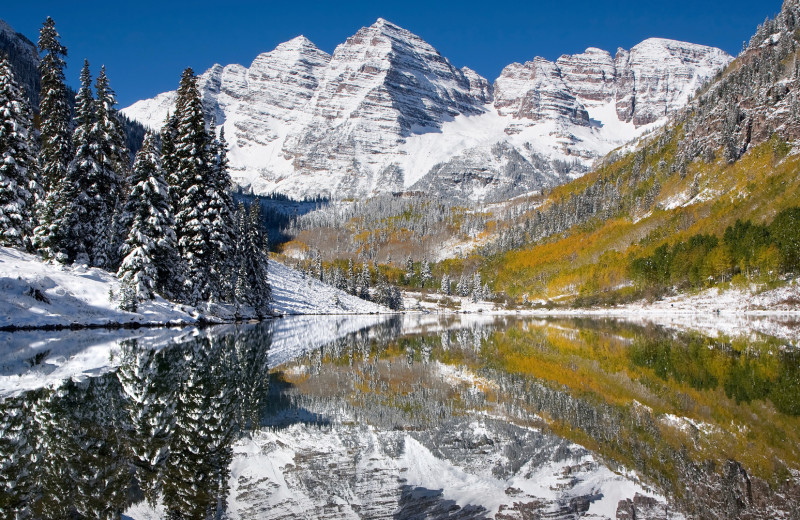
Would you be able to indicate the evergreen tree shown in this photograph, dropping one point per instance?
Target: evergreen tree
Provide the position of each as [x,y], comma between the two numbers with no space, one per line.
[92,191]
[169,159]
[364,282]
[114,160]
[252,284]
[387,294]
[351,277]
[54,108]
[425,274]
[203,216]
[462,288]
[445,287]
[18,182]
[477,287]
[150,262]
[409,269]
[56,146]
[318,266]
[222,217]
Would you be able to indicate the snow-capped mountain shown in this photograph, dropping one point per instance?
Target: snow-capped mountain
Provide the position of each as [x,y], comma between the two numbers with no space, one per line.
[387,112]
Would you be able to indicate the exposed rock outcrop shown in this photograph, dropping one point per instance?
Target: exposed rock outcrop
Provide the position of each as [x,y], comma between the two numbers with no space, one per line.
[387,112]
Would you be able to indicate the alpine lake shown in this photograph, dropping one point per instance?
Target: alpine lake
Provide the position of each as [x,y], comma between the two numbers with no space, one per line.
[400,416]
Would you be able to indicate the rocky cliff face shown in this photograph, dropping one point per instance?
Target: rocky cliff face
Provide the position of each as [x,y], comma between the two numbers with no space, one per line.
[756,98]
[536,91]
[645,84]
[24,58]
[387,112]
[380,85]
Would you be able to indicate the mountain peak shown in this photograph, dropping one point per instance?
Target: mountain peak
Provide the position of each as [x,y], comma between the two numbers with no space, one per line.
[665,46]
[298,42]
[383,22]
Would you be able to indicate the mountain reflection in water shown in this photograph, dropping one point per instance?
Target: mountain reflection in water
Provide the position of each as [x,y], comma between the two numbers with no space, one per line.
[414,417]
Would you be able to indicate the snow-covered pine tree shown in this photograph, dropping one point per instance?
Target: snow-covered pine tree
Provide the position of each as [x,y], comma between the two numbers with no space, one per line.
[242,283]
[92,191]
[252,281]
[445,287]
[409,269]
[318,271]
[56,144]
[477,287]
[56,149]
[351,277]
[169,160]
[364,282]
[150,262]
[190,183]
[221,217]
[114,160]
[387,294]
[462,288]
[425,273]
[18,179]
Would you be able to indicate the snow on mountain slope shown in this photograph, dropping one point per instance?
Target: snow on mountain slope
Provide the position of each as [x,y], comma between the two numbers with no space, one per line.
[557,118]
[36,294]
[352,470]
[386,112]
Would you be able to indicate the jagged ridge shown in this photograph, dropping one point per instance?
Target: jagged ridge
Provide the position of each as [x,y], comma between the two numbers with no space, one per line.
[387,112]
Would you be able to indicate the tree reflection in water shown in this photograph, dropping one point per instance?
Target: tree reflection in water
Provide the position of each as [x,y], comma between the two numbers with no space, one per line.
[711,423]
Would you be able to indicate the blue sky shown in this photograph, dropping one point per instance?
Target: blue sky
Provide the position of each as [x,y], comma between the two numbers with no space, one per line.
[146,44]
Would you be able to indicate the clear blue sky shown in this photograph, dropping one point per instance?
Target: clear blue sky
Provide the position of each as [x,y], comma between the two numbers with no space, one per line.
[146,44]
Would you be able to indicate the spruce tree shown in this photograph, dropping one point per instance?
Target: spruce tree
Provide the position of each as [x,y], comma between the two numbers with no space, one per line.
[54,108]
[91,193]
[364,282]
[463,288]
[477,287]
[242,282]
[169,160]
[18,182]
[425,273]
[221,217]
[150,262]
[351,278]
[252,283]
[202,206]
[56,145]
[114,160]
[445,287]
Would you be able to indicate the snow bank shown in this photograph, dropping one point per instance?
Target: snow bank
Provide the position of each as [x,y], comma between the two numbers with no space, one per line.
[37,294]
[295,293]
[34,293]
[733,313]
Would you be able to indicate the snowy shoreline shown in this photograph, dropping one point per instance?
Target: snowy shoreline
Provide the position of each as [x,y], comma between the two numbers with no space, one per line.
[39,295]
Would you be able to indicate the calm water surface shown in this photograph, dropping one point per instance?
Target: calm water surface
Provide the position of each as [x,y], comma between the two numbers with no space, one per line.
[399,417]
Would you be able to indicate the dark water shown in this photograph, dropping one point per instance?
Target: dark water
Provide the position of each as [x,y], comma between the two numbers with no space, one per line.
[408,418]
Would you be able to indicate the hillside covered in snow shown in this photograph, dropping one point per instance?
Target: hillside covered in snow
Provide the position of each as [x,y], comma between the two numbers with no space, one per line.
[34,293]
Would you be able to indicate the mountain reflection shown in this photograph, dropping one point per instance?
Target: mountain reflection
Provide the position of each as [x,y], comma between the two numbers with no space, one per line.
[708,426]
